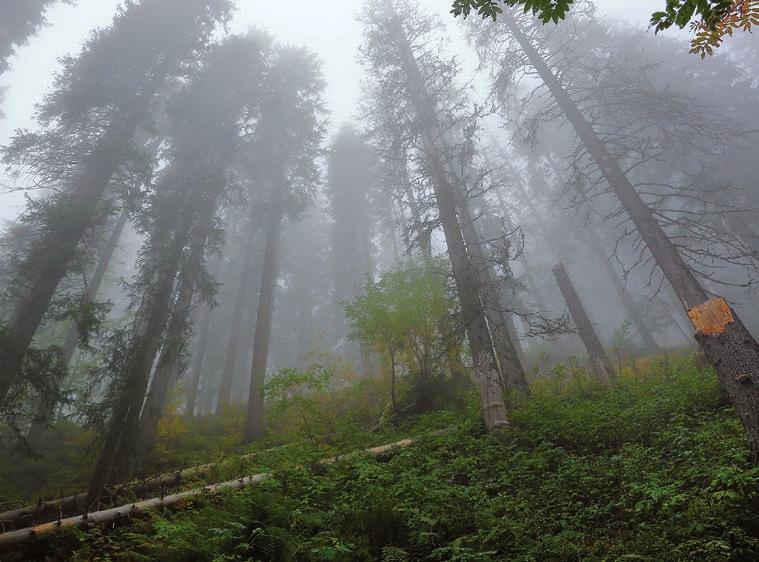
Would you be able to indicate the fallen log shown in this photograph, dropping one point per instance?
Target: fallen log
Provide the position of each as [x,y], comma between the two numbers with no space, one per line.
[126,511]
[58,507]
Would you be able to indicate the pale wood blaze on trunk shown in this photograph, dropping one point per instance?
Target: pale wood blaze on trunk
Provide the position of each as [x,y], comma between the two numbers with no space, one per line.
[712,317]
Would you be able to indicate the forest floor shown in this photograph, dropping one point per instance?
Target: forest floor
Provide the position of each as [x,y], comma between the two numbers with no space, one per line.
[654,468]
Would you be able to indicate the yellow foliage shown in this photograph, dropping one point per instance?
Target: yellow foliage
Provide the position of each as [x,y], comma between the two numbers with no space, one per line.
[742,16]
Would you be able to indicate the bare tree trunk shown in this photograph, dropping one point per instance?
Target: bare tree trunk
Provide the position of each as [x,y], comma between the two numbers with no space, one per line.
[598,358]
[167,369]
[197,363]
[727,344]
[243,292]
[500,322]
[53,254]
[627,301]
[46,409]
[472,311]
[624,295]
[254,425]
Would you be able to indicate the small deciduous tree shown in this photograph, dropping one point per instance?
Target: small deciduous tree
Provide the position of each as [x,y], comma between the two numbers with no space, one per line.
[407,316]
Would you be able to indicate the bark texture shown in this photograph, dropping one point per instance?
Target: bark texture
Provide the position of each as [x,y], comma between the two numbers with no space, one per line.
[500,321]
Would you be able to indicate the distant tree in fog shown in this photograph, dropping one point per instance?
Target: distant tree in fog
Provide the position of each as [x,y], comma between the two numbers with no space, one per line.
[283,156]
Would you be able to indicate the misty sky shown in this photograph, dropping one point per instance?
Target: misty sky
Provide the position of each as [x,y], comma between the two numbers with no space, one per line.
[327,27]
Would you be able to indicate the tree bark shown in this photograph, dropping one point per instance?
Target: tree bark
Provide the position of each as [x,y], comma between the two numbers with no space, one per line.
[152,317]
[598,358]
[472,311]
[166,372]
[254,424]
[128,404]
[730,347]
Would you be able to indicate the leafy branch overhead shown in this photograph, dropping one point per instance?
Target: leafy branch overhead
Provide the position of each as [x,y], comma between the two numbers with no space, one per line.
[710,20]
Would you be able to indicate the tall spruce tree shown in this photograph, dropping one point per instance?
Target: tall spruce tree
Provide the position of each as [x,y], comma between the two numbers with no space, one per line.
[100,100]
[408,76]
[283,156]
[182,231]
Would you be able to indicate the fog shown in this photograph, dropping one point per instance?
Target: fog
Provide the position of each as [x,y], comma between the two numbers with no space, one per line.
[220,214]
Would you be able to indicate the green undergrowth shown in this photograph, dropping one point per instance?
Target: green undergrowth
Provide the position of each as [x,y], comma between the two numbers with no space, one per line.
[64,461]
[655,468]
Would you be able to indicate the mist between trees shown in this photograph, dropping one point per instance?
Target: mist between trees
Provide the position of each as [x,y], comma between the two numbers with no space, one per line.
[195,244]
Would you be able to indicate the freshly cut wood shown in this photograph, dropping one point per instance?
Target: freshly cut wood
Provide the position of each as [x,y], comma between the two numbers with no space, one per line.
[129,510]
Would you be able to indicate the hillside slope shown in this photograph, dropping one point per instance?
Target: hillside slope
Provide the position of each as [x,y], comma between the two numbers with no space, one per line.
[655,468]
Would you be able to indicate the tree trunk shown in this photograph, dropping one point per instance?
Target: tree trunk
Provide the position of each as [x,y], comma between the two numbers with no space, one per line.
[123,512]
[728,345]
[167,370]
[254,425]
[501,324]
[53,254]
[472,311]
[598,358]
[197,363]
[628,302]
[120,438]
[126,410]
[46,409]
[241,300]
[423,235]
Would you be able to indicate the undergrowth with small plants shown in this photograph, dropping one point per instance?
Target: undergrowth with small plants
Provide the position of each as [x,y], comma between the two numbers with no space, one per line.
[654,468]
